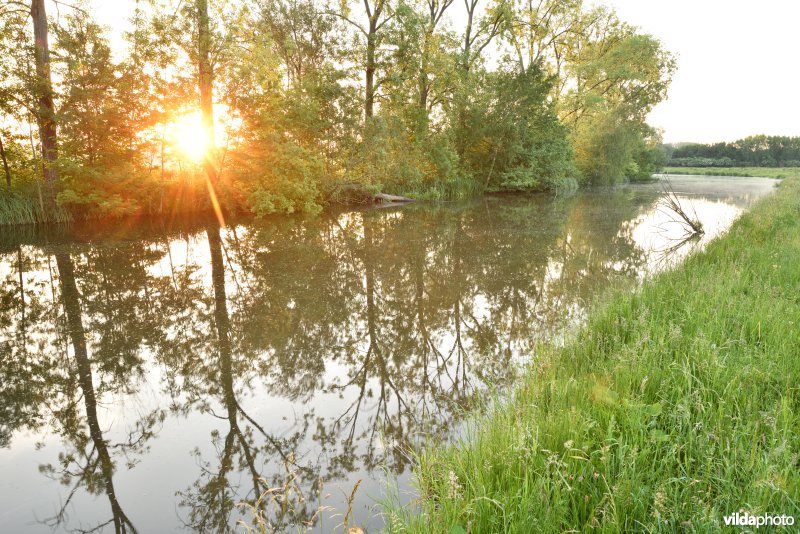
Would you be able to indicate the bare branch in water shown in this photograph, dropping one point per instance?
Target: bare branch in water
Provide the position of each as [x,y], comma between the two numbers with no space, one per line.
[671,205]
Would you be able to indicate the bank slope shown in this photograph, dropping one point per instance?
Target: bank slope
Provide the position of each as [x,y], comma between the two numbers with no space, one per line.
[674,407]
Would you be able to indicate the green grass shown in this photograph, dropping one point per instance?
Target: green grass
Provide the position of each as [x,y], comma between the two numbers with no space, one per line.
[21,206]
[767,172]
[676,405]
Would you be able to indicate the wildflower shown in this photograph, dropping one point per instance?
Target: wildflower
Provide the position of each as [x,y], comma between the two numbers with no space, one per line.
[658,503]
[454,487]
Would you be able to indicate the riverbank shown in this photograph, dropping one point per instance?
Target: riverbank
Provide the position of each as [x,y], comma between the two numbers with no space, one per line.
[673,408]
[765,172]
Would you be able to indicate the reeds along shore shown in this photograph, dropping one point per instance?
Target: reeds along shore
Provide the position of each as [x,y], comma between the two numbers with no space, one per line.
[674,407]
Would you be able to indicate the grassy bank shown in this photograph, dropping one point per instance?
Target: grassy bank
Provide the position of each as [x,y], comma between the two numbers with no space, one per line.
[767,172]
[674,406]
[22,206]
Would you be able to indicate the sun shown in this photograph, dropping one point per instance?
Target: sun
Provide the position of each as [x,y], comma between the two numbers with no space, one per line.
[189,140]
[187,134]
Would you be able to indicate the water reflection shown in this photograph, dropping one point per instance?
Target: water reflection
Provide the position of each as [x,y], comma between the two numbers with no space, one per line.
[88,461]
[179,371]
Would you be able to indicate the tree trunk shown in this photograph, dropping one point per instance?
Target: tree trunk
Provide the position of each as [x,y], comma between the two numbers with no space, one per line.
[423,87]
[369,98]
[206,83]
[46,111]
[383,197]
[468,37]
[461,112]
[5,163]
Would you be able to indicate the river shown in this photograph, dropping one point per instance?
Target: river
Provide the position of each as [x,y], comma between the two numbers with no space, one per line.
[156,374]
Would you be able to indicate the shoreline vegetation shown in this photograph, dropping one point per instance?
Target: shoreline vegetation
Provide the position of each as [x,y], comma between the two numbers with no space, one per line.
[753,151]
[281,106]
[751,172]
[674,407]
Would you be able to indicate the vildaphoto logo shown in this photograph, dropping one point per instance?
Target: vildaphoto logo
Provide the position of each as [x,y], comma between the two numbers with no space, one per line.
[746,519]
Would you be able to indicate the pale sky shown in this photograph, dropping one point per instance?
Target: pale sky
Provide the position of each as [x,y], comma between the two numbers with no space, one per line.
[738,66]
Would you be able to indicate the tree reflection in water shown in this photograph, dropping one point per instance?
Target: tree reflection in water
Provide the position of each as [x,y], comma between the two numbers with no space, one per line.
[91,466]
[212,499]
[324,349]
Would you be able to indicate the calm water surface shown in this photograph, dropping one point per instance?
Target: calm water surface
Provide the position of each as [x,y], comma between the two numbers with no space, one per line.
[155,376]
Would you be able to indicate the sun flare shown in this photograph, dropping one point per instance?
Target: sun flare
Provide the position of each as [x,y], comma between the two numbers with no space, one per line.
[187,134]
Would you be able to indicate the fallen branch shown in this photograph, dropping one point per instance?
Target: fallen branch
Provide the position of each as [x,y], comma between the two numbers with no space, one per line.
[691,222]
[383,197]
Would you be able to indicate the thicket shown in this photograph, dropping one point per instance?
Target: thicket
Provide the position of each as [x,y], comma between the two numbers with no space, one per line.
[753,151]
[315,103]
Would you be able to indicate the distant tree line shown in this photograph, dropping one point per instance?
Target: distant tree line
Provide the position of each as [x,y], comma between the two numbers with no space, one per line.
[317,100]
[753,151]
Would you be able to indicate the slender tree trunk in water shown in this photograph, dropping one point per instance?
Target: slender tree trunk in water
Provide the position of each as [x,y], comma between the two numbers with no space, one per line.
[36,159]
[223,326]
[72,308]
[46,112]
[5,163]
[222,320]
[206,82]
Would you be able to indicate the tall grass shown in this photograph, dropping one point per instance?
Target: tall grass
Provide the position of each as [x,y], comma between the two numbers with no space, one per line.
[458,188]
[22,206]
[673,407]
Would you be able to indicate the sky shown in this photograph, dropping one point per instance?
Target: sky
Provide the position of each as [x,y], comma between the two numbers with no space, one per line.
[738,67]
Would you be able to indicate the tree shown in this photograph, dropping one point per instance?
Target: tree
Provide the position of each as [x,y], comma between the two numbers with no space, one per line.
[205,81]
[616,75]
[381,95]
[378,13]
[517,142]
[99,150]
[46,114]
[434,60]
[5,163]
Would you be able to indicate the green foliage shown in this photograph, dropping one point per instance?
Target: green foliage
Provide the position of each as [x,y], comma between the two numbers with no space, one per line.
[18,208]
[97,194]
[672,408]
[21,205]
[617,79]
[753,151]
[390,157]
[98,164]
[283,180]
[648,158]
[511,137]
[604,147]
[22,202]
[314,99]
